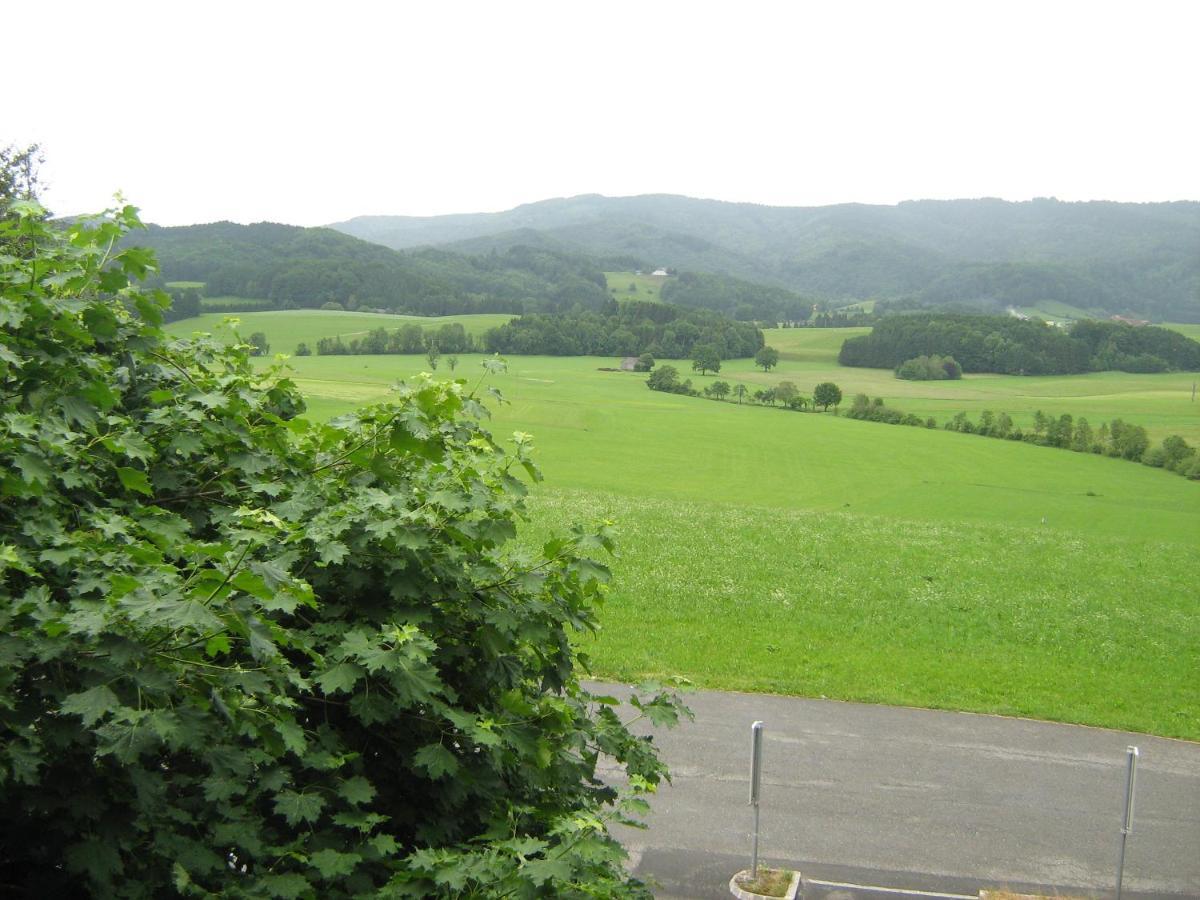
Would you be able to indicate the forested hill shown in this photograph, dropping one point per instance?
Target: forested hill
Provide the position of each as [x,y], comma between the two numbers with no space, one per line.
[1135,259]
[308,267]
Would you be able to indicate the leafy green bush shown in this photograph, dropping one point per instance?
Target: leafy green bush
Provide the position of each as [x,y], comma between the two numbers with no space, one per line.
[248,654]
[929,368]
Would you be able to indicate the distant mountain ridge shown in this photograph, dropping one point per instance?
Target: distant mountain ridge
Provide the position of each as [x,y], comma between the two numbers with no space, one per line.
[1141,259]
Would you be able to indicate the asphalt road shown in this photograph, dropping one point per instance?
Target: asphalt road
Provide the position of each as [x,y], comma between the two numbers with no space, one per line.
[921,800]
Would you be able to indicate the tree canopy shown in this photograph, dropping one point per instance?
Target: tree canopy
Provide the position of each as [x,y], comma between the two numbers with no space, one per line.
[628,329]
[248,654]
[1013,346]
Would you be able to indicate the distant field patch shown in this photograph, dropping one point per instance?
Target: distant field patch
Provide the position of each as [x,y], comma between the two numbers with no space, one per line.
[1055,311]
[287,328]
[219,304]
[1188,330]
[631,286]
[184,285]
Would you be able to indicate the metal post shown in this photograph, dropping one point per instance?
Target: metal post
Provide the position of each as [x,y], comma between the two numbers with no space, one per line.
[756,731]
[1131,756]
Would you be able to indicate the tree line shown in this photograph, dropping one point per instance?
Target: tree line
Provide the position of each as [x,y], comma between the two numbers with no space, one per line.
[661,330]
[407,339]
[785,394]
[1013,346]
[1117,438]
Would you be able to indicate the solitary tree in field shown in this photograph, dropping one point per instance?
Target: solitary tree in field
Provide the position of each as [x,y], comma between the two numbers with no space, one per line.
[827,394]
[706,358]
[718,390]
[452,362]
[739,391]
[767,358]
[785,392]
[432,355]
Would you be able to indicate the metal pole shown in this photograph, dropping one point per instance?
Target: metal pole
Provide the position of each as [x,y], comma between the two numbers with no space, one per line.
[1131,757]
[756,731]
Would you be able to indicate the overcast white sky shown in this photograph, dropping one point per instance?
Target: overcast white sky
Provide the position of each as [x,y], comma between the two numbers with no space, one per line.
[310,113]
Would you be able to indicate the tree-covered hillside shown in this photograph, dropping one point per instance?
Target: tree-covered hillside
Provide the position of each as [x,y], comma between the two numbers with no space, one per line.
[308,267]
[1013,346]
[1141,259]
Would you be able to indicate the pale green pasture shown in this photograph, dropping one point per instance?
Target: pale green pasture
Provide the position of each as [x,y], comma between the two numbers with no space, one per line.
[184,285]
[606,431]
[986,617]
[1054,311]
[647,288]
[811,554]
[287,328]
[1188,330]
[1162,403]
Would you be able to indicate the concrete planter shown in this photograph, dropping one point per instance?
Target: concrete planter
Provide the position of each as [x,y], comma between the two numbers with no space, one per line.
[741,893]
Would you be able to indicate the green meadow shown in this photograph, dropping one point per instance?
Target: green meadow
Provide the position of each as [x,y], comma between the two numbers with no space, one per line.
[811,554]
[647,288]
[1192,331]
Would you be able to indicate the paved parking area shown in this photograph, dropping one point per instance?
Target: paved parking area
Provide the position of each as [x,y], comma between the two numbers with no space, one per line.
[920,800]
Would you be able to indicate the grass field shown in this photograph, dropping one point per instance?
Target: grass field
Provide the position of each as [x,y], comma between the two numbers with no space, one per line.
[647,288]
[811,554]
[1192,331]
[287,328]
[981,616]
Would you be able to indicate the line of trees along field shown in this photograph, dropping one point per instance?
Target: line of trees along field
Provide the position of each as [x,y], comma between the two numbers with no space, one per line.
[630,329]
[1117,438]
[1012,346]
[658,330]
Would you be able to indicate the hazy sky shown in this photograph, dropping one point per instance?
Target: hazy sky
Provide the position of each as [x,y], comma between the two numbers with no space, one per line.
[312,113]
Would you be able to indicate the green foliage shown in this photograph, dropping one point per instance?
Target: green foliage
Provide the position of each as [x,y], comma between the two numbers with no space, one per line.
[1014,346]
[985,255]
[929,368]
[766,358]
[827,394]
[19,176]
[644,363]
[659,330]
[247,654]
[258,344]
[706,358]
[736,298]
[666,379]
[320,268]
[718,390]
[185,304]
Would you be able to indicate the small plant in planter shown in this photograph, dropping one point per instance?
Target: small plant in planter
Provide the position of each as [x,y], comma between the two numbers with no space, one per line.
[768,883]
